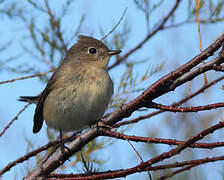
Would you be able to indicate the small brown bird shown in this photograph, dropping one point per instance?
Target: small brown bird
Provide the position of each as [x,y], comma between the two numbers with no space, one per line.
[79,90]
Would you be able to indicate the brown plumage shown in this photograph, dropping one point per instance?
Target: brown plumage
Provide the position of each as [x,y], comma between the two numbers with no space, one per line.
[79,90]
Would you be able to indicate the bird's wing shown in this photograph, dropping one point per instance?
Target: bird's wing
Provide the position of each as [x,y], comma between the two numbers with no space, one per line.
[38,116]
[59,75]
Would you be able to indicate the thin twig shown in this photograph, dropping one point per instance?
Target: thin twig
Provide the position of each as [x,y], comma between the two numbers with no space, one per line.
[108,133]
[186,109]
[205,21]
[27,77]
[34,153]
[116,25]
[15,118]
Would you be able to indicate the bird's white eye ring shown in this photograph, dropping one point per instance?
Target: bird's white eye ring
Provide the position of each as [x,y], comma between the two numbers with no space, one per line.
[92,51]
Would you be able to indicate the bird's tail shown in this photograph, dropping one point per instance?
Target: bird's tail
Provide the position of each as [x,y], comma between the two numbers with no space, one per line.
[30,99]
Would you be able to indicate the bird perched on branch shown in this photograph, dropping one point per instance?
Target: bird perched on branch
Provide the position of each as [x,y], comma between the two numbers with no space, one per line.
[79,90]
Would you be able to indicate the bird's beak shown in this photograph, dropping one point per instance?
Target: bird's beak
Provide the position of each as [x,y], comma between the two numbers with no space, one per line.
[113,52]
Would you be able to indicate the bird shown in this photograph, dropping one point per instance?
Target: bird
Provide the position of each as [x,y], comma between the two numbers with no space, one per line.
[79,90]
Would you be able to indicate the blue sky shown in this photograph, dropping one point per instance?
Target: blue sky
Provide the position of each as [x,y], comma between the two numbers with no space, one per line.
[174,47]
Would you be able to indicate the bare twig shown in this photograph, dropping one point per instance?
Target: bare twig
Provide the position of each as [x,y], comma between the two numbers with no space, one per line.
[195,162]
[34,153]
[108,133]
[186,109]
[15,118]
[178,171]
[116,25]
[27,77]
[204,21]
[190,164]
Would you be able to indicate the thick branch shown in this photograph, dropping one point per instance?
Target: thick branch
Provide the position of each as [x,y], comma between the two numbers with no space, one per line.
[198,70]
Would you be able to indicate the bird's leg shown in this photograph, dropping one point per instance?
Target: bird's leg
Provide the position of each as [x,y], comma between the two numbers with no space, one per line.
[101,121]
[63,147]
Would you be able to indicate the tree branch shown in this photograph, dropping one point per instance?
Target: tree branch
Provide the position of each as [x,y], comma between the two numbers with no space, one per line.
[146,166]
[27,77]
[109,133]
[135,120]
[15,118]
[186,109]
[100,175]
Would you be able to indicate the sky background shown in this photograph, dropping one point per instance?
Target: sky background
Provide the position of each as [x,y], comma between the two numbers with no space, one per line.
[174,46]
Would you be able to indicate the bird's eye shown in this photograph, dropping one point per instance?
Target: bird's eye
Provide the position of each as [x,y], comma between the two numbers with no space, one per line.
[92,50]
